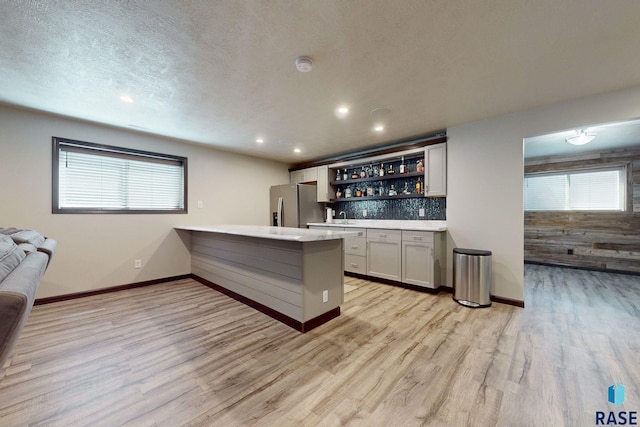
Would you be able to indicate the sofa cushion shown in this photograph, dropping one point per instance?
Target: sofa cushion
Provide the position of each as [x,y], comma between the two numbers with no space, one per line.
[10,256]
[28,236]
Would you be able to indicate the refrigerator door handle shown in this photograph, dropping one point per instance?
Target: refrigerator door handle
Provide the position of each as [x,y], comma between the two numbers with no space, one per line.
[279,217]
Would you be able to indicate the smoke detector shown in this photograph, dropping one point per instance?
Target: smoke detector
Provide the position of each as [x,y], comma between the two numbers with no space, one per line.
[304,64]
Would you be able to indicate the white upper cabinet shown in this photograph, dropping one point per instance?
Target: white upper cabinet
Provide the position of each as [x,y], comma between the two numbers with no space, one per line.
[303,175]
[436,173]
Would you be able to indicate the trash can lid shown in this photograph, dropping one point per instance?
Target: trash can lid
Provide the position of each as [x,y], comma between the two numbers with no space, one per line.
[477,252]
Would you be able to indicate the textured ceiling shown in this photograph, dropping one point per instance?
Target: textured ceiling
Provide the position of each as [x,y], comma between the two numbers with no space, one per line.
[222,73]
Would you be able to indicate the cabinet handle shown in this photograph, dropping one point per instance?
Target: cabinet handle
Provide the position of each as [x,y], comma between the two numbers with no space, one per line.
[417,238]
[354,246]
[354,265]
[383,235]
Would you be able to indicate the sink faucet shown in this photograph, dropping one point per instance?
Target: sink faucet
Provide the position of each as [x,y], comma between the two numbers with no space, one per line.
[343,213]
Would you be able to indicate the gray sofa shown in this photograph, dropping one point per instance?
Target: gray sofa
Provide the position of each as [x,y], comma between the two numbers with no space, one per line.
[24,257]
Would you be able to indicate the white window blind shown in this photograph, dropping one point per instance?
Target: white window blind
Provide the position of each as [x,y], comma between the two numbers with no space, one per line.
[595,189]
[93,178]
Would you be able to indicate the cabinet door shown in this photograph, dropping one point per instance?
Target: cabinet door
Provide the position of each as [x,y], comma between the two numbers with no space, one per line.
[322,185]
[383,259]
[436,174]
[303,175]
[417,264]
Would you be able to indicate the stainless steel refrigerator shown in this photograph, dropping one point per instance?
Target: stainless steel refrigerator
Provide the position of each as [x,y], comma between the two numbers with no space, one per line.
[294,205]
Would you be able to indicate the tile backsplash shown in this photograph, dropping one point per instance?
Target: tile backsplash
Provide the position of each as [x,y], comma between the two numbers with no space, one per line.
[402,209]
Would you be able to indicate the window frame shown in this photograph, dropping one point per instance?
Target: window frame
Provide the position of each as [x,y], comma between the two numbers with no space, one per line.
[103,148]
[624,168]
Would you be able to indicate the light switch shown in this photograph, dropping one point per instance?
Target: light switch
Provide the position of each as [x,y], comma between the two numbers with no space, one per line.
[421,212]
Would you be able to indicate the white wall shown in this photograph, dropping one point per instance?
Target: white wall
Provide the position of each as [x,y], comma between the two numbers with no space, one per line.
[97,251]
[485,171]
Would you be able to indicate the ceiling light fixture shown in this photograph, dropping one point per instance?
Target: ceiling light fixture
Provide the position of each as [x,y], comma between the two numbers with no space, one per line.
[581,137]
[296,150]
[304,64]
[342,112]
[378,128]
[259,140]
[126,98]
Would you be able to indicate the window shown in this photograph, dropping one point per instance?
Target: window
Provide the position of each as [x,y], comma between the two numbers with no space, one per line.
[592,190]
[92,178]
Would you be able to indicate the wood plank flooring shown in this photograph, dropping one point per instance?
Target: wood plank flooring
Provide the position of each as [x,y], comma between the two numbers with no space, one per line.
[182,354]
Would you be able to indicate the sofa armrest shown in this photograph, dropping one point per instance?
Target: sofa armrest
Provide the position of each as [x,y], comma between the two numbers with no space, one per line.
[48,247]
[17,295]
[13,306]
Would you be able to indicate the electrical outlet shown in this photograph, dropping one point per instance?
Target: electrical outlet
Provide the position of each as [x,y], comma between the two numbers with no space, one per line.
[199,204]
[325,296]
[364,212]
[137,263]
[421,212]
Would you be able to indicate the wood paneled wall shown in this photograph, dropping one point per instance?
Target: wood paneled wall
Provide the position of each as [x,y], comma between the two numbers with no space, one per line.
[603,240]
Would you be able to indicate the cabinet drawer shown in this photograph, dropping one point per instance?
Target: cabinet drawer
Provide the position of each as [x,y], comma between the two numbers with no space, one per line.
[355,246]
[362,232]
[417,236]
[383,235]
[355,264]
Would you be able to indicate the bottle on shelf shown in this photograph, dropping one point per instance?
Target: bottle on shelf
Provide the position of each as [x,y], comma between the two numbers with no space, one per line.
[347,193]
[381,190]
[345,175]
[370,171]
[338,175]
[363,173]
[354,174]
[419,186]
[358,192]
[419,166]
[392,190]
[381,169]
[391,171]
[339,194]
[403,168]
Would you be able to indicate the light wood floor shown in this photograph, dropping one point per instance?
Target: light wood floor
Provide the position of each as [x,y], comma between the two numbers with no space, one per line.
[183,354]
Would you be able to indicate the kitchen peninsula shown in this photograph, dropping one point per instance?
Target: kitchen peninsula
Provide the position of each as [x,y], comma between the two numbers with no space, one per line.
[294,275]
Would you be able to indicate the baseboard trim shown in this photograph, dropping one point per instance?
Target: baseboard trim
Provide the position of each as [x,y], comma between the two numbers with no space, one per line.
[445,289]
[295,324]
[579,267]
[67,297]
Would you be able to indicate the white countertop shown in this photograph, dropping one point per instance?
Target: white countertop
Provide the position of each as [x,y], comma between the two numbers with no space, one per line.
[391,224]
[274,233]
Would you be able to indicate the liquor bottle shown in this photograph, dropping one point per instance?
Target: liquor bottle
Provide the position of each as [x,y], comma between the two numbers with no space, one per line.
[420,166]
[354,175]
[363,173]
[347,193]
[338,175]
[381,169]
[403,168]
[370,171]
[345,175]
[358,192]
[392,190]
[339,194]
[419,187]
[391,171]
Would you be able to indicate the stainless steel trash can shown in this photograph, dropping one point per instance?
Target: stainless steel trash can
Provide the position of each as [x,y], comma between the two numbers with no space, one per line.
[472,277]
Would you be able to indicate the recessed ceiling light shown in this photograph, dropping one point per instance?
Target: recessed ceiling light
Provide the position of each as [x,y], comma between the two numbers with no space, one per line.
[126,98]
[342,112]
[296,150]
[259,140]
[378,128]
